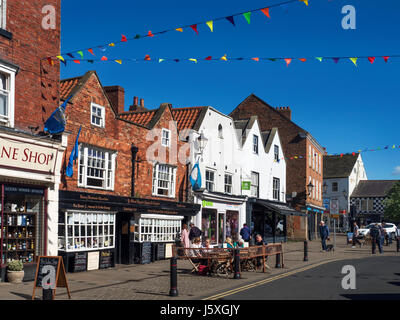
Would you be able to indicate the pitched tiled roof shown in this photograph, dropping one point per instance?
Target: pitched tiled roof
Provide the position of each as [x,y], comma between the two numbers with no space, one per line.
[67,86]
[186,118]
[141,118]
[373,188]
[339,167]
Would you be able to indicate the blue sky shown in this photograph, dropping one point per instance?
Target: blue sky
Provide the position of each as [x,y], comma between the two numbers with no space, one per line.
[346,108]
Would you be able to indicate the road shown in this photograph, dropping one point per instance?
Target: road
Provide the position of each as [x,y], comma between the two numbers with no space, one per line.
[377,278]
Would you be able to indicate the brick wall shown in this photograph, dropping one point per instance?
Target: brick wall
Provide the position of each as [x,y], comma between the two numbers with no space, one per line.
[36,92]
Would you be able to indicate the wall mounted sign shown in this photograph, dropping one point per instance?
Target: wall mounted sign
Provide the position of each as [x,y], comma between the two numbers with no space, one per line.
[207,203]
[93,259]
[246,185]
[334,209]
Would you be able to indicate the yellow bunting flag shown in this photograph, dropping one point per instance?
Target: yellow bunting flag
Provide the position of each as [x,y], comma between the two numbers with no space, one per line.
[61,58]
[118,61]
[354,60]
[112,44]
[224,58]
[160,60]
[194,60]
[393,147]
[179,29]
[305,1]
[210,25]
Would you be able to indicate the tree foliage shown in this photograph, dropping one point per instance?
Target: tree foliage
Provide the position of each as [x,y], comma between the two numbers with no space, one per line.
[392,204]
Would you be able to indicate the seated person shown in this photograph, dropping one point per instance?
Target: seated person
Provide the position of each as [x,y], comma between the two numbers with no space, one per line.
[196,243]
[229,243]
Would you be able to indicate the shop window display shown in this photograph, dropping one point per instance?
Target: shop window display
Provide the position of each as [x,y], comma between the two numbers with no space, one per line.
[209,225]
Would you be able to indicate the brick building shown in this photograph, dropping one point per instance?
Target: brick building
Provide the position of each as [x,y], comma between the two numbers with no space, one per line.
[304,167]
[128,188]
[30,161]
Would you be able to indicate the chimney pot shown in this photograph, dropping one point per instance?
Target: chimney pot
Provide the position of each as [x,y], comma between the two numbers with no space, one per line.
[135,101]
[142,103]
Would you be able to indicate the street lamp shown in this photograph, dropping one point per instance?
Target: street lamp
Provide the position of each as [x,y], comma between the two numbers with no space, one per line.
[202,142]
[310,188]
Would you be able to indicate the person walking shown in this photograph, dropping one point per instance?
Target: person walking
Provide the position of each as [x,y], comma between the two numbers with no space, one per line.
[194,232]
[245,233]
[355,235]
[375,234]
[185,236]
[324,234]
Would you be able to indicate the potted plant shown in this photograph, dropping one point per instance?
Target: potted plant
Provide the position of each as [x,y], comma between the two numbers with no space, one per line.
[15,271]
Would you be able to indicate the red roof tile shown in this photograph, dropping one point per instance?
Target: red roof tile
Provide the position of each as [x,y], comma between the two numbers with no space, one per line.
[67,85]
[142,118]
[186,117]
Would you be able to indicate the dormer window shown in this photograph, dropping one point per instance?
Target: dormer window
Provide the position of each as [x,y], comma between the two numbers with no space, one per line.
[98,115]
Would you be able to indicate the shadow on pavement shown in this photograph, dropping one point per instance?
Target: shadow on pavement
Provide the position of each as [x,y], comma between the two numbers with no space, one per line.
[395,283]
[378,296]
[22,295]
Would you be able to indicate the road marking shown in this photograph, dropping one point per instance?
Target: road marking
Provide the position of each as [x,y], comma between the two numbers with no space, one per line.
[256,284]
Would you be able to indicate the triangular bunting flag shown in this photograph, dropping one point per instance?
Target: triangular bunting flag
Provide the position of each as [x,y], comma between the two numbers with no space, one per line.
[77,61]
[176,60]
[80,53]
[90,61]
[124,39]
[319,59]
[179,29]
[118,61]
[111,44]
[303,60]
[70,55]
[210,25]
[354,60]
[91,51]
[150,34]
[371,59]
[61,58]
[247,16]
[336,60]
[305,1]
[231,20]
[137,36]
[160,60]
[224,57]
[386,59]
[147,57]
[104,58]
[194,27]
[266,12]
[194,60]
[256,59]
[288,61]
[272,59]
[208,58]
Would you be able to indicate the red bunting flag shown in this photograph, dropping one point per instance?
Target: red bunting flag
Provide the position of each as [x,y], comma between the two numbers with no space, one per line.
[104,58]
[147,57]
[50,61]
[341,155]
[208,58]
[91,51]
[266,12]
[256,59]
[371,59]
[288,61]
[124,39]
[194,27]
[354,154]
[77,61]
[303,60]
[386,59]
[150,34]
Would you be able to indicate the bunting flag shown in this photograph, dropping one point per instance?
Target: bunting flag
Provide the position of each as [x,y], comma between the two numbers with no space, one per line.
[104,58]
[160,60]
[303,60]
[147,57]
[256,59]
[354,60]
[208,58]
[335,60]
[371,59]
[118,61]
[208,22]
[77,61]
[61,58]
[194,60]
[80,53]
[210,25]
[247,16]
[91,51]
[224,57]
[288,61]
[386,59]
[319,59]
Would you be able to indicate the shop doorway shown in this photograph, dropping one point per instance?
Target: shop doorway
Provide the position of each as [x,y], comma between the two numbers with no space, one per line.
[125,239]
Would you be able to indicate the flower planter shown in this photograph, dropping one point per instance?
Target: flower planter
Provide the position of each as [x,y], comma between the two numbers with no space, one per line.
[15,276]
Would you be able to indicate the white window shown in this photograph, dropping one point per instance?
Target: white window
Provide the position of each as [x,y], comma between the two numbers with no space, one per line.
[86,231]
[166,138]
[228,183]
[210,180]
[7,89]
[255,179]
[96,168]
[158,229]
[276,189]
[3,13]
[98,115]
[164,180]
[255,144]
[276,153]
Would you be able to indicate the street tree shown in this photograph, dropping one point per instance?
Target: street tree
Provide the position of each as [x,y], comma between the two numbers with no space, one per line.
[392,204]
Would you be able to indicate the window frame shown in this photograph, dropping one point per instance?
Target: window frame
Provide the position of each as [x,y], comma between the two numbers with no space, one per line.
[337,186]
[255,144]
[168,144]
[108,182]
[102,118]
[276,188]
[3,14]
[208,181]
[171,182]
[255,186]
[10,73]
[227,185]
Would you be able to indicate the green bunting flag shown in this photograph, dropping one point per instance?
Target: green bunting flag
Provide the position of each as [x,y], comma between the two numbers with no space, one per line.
[247,16]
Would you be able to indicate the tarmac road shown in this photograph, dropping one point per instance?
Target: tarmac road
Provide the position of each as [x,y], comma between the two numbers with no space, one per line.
[377,278]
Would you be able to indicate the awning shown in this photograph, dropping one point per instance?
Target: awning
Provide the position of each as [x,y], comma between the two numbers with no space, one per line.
[279,207]
[314,208]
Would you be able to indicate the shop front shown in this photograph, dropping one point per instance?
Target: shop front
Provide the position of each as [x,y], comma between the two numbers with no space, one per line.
[269,219]
[221,216]
[98,231]
[29,181]
[315,215]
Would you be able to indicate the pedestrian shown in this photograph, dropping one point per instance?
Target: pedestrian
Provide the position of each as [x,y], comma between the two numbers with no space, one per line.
[260,242]
[324,234]
[194,232]
[387,234]
[375,233]
[383,235]
[185,236]
[355,235]
[245,233]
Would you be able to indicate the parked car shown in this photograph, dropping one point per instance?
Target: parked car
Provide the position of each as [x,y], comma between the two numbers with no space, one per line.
[390,229]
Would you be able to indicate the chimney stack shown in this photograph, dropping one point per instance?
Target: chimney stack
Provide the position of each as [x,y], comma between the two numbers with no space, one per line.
[285,111]
[136,107]
[135,101]
[116,94]
[142,103]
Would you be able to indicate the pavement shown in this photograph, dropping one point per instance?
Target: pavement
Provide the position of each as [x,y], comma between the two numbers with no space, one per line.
[152,281]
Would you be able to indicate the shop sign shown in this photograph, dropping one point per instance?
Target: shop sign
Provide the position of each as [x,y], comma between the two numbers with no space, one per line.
[93,259]
[327,203]
[334,208]
[18,154]
[246,185]
[207,203]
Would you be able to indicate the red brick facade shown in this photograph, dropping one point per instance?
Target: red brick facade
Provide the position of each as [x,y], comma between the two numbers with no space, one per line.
[36,84]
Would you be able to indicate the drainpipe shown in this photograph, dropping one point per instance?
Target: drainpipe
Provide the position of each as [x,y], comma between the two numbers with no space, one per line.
[134,151]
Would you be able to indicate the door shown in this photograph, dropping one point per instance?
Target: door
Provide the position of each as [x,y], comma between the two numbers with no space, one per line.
[221,227]
[124,243]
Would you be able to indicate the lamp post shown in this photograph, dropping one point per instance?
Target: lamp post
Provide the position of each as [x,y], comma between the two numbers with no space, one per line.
[345,195]
[202,142]
[310,188]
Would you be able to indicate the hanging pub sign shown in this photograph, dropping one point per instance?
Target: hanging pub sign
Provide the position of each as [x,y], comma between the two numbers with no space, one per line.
[246,185]
[50,274]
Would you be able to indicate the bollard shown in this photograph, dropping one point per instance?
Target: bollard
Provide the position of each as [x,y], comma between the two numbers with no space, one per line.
[305,250]
[173,292]
[236,264]
[398,244]
[48,294]
[278,261]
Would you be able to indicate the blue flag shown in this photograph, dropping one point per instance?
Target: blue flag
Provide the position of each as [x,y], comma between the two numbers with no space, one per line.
[74,155]
[56,123]
[195,177]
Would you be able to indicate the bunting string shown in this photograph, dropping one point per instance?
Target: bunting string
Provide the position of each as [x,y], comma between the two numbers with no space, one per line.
[193,26]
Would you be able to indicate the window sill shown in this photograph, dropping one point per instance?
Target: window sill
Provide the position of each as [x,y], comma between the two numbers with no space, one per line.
[164,197]
[6,34]
[95,188]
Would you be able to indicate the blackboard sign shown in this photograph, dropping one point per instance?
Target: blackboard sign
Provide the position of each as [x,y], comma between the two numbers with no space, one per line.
[161,251]
[50,274]
[80,261]
[106,259]
[145,254]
